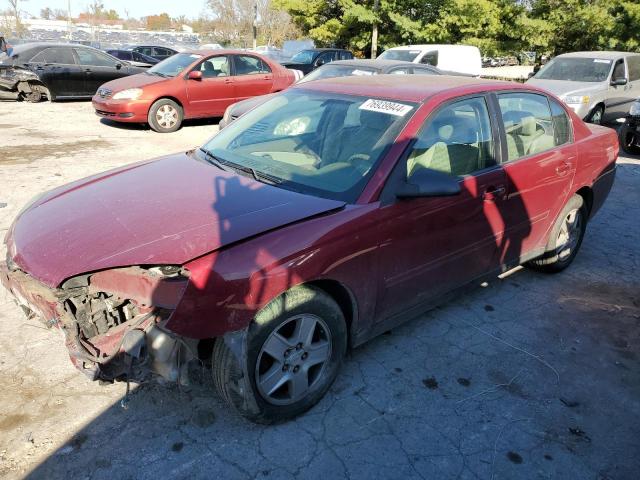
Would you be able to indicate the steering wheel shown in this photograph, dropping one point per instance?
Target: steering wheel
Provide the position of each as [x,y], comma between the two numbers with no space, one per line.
[361,162]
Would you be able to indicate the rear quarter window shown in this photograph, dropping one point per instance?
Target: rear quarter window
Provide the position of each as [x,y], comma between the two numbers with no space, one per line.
[561,124]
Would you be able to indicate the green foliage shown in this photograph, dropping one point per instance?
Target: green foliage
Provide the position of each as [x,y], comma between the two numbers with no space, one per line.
[497,27]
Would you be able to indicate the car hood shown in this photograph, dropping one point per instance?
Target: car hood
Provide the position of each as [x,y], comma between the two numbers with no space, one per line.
[164,211]
[563,88]
[138,80]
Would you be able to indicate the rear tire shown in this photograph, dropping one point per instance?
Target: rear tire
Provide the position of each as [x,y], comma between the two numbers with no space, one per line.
[295,348]
[165,116]
[565,238]
[629,140]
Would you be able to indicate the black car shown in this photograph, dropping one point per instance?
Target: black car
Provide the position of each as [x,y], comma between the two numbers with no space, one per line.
[159,53]
[630,131]
[312,58]
[134,58]
[340,68]
[58,71]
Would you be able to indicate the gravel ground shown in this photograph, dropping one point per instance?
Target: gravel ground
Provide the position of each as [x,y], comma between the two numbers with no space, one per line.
[533,376]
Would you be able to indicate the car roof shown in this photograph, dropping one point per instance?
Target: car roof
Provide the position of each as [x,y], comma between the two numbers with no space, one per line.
[31,45]
[410,88]
[381,64]
[223,51]
[429,45]
[608,55]
[323,49]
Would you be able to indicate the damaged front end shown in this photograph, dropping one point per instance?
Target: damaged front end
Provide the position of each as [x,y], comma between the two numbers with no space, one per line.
[112,320]
[21,83]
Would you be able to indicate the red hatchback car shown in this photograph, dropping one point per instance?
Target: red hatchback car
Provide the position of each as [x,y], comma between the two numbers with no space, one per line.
[328,214]
[190,85]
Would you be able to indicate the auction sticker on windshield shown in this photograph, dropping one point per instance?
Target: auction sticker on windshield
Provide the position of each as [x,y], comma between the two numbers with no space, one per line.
[384,106]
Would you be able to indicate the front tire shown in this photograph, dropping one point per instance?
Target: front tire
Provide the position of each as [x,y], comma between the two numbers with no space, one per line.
[165,116]
[565,238]
[630,139]
[295,348]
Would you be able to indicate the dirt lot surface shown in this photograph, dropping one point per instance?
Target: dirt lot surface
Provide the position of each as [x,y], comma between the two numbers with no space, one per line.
[533,376]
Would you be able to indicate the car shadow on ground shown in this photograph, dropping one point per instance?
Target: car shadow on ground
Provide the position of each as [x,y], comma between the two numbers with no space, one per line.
[197,122]
[531,375]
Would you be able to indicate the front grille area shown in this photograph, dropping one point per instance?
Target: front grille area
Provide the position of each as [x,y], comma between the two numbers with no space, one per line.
[105,114]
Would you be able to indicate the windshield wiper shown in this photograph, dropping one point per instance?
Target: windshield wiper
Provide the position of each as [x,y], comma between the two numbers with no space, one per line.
[226,165]
[212,159]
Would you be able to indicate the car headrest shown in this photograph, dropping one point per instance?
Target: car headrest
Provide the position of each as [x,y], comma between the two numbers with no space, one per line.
[528,126]
[455,129]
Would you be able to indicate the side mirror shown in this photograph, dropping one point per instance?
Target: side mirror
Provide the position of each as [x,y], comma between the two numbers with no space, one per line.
[618,81]
[429,183]
[118,66]
[195,75]
[320,62]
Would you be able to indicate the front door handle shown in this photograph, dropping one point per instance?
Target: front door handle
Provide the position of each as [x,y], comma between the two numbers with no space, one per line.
[228,80]
[491,194]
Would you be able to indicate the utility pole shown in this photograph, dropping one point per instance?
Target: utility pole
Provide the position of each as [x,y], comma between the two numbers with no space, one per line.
[374,32]
[69,32]
[255,24]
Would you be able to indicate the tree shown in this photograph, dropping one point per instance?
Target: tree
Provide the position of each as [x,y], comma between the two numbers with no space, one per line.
[232,22]
[14,11]
[46,13]
[159,22]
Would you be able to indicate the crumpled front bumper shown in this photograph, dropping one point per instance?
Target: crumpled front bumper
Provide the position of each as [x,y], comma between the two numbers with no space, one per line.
[130,350]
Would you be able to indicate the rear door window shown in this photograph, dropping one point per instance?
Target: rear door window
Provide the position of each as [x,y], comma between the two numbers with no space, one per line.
[248,65]
[145,50]
[561,124]
[528,124]
[95,59]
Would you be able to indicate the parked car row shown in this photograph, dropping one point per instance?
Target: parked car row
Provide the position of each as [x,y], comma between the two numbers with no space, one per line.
[59,71]
[500,61]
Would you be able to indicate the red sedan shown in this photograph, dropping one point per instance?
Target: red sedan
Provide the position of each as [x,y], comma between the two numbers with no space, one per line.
[190,85]
[328,214]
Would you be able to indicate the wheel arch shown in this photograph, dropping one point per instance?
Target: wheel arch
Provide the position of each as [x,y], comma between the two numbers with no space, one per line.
[166,97]
[587,196]
[345,299]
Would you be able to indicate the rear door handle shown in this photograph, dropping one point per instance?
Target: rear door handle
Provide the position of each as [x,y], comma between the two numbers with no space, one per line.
[492,194]
[563,169]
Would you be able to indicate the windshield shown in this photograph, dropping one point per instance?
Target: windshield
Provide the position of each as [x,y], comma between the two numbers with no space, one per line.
[576,70]
[172,66]
[331,71]
[405,55]
[305,56]
[318,143]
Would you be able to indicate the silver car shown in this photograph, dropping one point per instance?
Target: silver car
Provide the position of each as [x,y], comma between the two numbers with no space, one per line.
[598,86]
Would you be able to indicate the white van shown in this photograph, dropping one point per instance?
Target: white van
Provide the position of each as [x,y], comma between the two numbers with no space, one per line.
[454,58]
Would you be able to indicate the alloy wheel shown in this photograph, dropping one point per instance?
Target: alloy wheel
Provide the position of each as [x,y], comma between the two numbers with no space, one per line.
[292,359]
[569,234]
[167,116]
